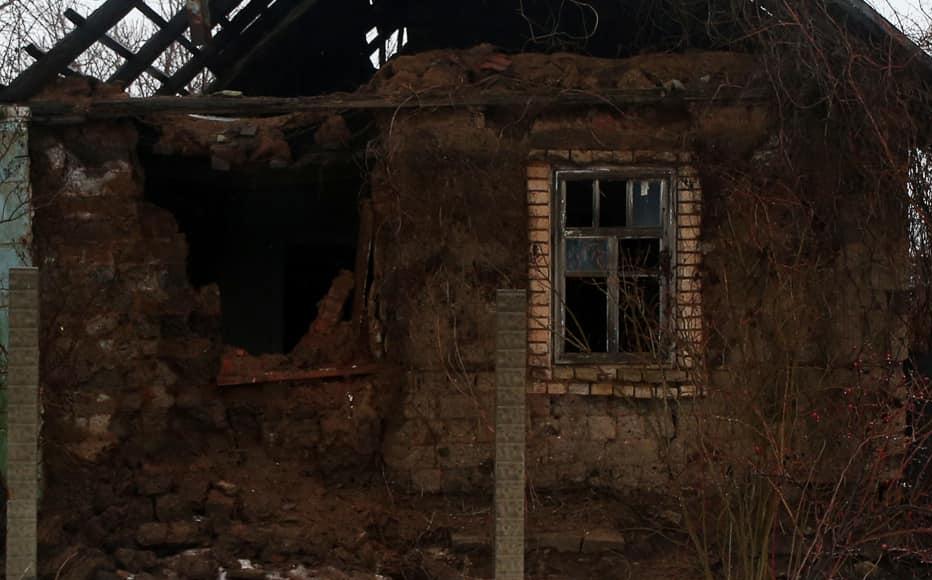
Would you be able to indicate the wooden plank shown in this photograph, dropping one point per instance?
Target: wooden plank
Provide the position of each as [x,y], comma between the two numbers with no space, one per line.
[361,269]
[115,45]
[228,34]
[253,35]
[172,31]
[298,375]
[264,106]
[868,14]
[37,53]
[276,20]
[66,51]
[160,22]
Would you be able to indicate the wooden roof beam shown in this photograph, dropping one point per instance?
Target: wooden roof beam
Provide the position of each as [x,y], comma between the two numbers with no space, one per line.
[160,22]
[277,19]
[115,45]
[66,51]
[228,34]
[37,53]
[171,32]
[49,111]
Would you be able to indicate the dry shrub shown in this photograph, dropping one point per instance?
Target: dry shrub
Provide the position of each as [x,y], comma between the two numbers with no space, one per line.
[809,455]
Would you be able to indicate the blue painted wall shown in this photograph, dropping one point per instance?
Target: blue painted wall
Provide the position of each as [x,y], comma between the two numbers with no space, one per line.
[15,228]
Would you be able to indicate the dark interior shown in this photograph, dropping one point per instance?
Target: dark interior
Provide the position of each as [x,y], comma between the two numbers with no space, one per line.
[272,240]
[586,329]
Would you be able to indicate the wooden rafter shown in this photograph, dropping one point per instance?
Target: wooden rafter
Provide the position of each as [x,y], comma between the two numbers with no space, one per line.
[60,57]
[250,28]
[57,111]
[238,49]
[115,45]
[160,22]
[37,53]
[170,32]
[276,19]
[205,59]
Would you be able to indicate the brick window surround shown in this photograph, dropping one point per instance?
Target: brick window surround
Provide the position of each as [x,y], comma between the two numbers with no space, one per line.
[667,378]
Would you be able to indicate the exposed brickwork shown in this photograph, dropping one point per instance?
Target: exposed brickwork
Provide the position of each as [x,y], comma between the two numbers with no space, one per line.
[662,380]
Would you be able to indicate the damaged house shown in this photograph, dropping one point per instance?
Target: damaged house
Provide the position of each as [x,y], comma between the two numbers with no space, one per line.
[267,314]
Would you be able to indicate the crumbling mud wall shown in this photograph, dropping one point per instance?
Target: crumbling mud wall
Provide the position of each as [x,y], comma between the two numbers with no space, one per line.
[455,224]
[806,265]
[453,227]
[779,328]
[449,205]
[144,456]
[147,457]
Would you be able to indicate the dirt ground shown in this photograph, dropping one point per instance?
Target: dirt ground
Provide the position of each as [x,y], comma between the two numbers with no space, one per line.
[361,527]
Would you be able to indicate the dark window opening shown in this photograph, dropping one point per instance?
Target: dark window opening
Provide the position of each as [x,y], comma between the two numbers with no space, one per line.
[612,269]
[579,204]
[273,240]
[586,305]
[639,315]
[613,203]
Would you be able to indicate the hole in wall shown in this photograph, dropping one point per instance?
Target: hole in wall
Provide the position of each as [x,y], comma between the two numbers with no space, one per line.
[273,240]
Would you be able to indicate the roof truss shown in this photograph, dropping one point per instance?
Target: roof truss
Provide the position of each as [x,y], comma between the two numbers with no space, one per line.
[234,20]
[241,32]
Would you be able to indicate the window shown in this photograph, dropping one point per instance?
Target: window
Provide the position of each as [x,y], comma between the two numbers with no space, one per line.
[612,273]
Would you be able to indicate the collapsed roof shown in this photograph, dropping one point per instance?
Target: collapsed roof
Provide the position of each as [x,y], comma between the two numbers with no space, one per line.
[309,47]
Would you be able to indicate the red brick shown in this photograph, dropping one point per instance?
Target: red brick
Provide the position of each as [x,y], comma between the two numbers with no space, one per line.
[538,171]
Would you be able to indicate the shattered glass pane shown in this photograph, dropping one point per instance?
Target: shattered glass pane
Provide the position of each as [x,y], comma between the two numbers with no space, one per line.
[647,203]
[586,254]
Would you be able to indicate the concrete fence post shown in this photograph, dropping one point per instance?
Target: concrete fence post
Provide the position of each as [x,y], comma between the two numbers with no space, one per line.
[510,408]
[22,424]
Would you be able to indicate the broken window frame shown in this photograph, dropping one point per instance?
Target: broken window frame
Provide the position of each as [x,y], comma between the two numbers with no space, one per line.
[665,233]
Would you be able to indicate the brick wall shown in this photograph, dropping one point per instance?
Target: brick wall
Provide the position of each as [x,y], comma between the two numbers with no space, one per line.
[643,381]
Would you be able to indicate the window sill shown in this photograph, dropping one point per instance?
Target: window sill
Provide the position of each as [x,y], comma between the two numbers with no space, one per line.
[624,391]
[633,373]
